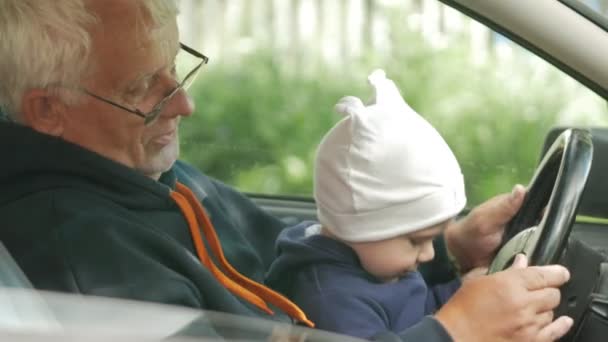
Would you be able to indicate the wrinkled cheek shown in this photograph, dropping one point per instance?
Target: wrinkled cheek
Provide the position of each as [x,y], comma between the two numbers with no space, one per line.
[137,153]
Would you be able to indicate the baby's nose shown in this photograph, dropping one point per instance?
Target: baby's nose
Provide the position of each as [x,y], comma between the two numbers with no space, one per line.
[427,253]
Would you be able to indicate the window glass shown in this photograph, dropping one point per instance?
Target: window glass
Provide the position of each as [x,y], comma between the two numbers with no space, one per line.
[278,67]
[597,8]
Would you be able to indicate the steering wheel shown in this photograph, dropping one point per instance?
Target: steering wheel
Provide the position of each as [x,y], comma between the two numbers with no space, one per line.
[541,227]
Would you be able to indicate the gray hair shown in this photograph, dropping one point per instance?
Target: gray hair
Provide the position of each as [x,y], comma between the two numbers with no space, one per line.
[47,42]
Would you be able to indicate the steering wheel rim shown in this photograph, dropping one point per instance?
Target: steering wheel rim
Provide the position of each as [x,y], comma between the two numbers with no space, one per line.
[557,186]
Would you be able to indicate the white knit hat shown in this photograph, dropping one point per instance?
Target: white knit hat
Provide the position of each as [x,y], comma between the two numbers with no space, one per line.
[383,170]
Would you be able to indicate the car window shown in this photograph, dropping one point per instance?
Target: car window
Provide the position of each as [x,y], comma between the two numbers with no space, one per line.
[277,69]
[19,311]
[596,10]
[71,317]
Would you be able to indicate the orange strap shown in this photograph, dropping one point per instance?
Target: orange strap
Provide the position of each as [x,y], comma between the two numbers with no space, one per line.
[246,288]
[203,256]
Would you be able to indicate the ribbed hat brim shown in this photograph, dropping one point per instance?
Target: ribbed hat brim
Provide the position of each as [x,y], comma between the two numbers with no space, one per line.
[389,222]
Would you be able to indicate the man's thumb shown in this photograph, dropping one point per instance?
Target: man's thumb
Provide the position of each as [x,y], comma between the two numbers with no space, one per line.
[521,261]
[517,194]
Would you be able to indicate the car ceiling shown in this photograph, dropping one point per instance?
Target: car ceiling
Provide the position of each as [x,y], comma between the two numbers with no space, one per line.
[551,30]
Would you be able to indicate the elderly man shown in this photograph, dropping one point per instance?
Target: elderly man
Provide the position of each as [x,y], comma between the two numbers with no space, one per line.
[94,202]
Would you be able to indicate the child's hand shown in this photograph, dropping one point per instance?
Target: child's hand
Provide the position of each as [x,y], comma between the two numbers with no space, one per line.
[474,273]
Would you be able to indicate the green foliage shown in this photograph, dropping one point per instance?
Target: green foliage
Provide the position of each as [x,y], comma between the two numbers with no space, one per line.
[257,125]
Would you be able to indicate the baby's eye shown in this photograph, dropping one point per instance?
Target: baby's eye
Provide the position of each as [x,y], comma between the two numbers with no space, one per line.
[418,242]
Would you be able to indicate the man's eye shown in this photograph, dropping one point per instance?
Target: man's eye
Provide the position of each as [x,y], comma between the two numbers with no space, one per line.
[134,96]
[135,92]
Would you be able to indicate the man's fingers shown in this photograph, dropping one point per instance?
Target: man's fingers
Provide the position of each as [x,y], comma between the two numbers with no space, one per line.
[514,200]
[521,261]
[544,319]
[540,277]
[545,300]
[502,208]
[555,330]
[517,195]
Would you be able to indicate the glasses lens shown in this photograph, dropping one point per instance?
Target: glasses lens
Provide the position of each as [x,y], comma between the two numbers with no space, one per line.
[187,67]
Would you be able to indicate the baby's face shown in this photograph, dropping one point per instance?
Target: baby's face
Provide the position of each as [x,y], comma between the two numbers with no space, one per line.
[390,259]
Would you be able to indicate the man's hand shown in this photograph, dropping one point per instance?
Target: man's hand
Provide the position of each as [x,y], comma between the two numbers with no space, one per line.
[474,274]
[473,240]
[513,305]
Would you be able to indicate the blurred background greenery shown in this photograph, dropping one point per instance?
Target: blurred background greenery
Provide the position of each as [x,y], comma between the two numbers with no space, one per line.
[260,117]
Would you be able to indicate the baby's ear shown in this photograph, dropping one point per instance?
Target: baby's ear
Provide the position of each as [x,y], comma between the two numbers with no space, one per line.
[349,105]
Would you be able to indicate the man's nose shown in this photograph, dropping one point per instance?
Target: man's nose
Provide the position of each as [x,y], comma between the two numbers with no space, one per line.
[181,104]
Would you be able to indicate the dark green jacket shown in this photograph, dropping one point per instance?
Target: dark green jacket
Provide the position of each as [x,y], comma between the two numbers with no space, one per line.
[77,222]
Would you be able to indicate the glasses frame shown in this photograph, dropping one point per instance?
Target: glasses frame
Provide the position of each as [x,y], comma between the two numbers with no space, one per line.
[151,115]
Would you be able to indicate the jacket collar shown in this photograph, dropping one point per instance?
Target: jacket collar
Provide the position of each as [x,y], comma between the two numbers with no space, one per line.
[32,161]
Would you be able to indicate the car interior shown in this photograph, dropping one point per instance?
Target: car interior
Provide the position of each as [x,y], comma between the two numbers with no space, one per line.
[583,243]
[585,249]
[585,253]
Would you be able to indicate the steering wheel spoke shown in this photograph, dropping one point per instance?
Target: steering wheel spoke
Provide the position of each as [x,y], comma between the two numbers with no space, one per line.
[522,243]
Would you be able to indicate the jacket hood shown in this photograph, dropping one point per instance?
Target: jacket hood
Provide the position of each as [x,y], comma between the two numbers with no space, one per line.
[26,168]
[301,246]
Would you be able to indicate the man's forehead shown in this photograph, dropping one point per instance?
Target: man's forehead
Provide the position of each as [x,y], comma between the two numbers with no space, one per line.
[133,16]
[128,22]
[165,39]
[126,32]
[162,52]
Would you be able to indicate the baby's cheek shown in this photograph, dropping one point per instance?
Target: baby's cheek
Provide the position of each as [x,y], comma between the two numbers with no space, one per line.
[403,261]
[412,261]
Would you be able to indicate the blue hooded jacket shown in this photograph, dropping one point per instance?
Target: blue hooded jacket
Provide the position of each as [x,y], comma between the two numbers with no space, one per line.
[324,277]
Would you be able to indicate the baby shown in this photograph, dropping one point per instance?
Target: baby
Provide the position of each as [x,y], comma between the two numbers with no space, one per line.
[386,184]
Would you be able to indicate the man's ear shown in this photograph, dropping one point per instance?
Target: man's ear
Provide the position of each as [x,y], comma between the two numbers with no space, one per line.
[43,112]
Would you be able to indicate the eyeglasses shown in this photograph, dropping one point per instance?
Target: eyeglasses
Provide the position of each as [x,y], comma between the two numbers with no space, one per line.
[184,83]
